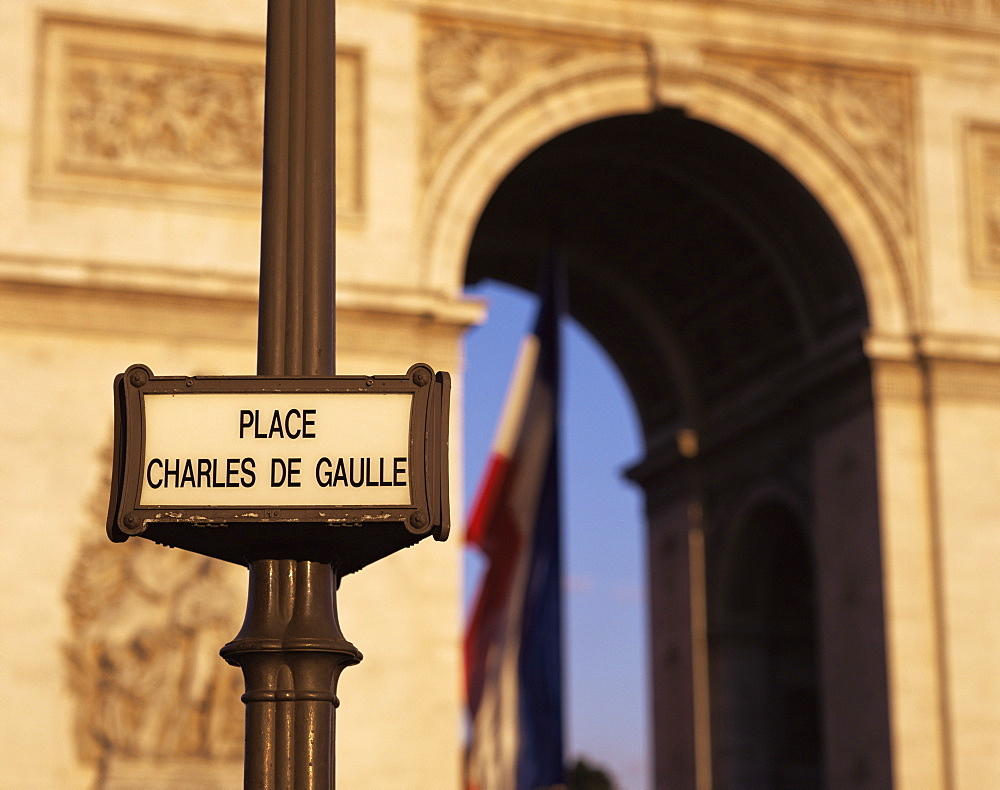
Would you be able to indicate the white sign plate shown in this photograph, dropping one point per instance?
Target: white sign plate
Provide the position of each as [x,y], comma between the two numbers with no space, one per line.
[338,467]
[276,449]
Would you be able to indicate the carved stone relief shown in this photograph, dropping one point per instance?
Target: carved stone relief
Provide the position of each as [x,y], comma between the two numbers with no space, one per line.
[871,110]
[927,11]
[162,113]
[146,626]
[172,118]
[466,65]
[982,145]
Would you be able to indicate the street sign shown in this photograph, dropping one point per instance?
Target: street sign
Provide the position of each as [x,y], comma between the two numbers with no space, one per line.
[338,468]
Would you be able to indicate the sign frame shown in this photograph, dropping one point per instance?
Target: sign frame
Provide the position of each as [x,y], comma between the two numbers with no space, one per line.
[249,526]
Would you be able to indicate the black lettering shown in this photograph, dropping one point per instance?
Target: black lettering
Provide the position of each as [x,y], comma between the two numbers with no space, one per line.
[361,473]
[174,473]
[187,476]
[277,465]
[398,469]
[246,420]
[248,473]
[294,470]
[232,469]
[340,475]
[381,473]
[307,424]
[275,426]
[256,425]
[324,479]
[288,426]
[149,477]
[204,473]
[368,473]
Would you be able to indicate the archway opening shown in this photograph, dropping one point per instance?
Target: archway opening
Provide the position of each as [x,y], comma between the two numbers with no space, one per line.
[682,234]
[725,295]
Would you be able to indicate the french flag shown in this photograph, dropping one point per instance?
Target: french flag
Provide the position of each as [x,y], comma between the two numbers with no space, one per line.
[513,645]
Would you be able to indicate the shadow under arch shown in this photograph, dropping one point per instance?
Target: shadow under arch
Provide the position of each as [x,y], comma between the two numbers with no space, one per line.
[763,653]
[735,312]
[685,235]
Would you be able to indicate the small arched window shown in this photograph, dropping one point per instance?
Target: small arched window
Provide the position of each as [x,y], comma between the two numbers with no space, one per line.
[766,730]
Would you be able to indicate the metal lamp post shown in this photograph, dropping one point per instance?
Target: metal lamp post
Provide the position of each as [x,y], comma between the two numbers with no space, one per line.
[346,469]
[291,648]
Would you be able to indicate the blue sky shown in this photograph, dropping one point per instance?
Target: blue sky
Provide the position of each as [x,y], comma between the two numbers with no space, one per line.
[607,686]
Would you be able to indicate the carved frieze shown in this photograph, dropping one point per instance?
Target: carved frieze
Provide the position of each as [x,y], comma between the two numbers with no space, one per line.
[931,12]
[146,625]
[173,118]
[982,145]
[870,109]
[158,113]
[465,65]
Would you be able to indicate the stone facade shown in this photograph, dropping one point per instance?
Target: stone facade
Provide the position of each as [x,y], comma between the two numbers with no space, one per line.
[129,192]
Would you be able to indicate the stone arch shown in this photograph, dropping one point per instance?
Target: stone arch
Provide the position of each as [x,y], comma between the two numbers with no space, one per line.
[733,302]
[876,230]
[603,85]
[545,105]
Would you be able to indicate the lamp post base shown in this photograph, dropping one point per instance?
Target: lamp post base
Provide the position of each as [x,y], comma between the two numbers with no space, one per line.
[291,651]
